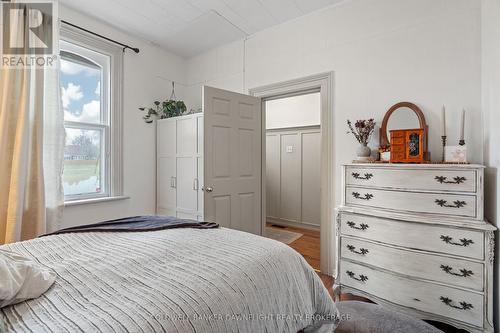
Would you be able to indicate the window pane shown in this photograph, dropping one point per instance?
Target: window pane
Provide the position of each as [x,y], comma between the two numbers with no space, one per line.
[80,88]
[294,111]
[82,162]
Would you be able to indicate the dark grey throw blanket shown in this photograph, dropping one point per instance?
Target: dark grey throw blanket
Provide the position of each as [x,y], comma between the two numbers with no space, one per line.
[138,223]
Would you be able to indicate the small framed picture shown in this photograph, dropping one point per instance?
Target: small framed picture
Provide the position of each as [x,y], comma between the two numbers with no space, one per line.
[455,154]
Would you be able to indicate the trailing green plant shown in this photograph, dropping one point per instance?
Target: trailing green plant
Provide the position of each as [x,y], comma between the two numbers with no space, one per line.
[166,109]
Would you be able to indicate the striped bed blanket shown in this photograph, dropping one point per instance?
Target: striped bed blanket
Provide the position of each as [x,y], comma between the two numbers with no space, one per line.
[177,280]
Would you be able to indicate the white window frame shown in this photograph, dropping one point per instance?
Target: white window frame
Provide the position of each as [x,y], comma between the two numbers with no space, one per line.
[112,151]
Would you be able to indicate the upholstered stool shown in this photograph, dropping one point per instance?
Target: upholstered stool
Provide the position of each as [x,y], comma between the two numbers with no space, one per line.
[361,317]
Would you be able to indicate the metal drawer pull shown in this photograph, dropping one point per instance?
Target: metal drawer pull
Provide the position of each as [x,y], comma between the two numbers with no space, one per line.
[367,176]
[361,251]
[368,196]
[456,180]
[449,302]
[463,241]
[463,272]
[361,278]
[362,226]
[456,204]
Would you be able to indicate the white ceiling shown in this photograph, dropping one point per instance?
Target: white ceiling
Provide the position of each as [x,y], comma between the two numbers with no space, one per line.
[189,27]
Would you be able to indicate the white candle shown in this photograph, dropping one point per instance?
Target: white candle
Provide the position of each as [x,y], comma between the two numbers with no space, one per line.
[462,125]
[443,118]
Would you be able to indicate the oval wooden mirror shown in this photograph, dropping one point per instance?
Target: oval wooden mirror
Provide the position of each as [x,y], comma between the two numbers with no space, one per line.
[404,115]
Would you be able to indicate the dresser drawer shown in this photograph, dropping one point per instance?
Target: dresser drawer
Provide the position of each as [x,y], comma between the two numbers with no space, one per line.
[458,304]
[459,242]
[413,179]
[431,203]
[457,272]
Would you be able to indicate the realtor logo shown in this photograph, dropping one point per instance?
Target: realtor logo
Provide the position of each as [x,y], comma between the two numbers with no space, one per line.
[28,36]
[27,28]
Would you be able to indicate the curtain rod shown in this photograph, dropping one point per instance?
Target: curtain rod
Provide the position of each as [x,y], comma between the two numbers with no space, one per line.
[125,46]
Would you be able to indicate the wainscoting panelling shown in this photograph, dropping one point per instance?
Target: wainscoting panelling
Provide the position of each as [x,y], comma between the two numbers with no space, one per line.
[293,176]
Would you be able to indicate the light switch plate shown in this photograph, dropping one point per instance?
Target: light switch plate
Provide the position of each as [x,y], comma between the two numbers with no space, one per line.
[289,149]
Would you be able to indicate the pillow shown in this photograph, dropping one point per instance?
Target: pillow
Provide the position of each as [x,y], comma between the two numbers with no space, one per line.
[22,278]
[361,317]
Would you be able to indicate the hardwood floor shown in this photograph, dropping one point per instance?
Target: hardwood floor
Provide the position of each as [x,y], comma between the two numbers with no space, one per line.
[308,246]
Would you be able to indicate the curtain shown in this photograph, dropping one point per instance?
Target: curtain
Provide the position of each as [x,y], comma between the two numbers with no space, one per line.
[31,148]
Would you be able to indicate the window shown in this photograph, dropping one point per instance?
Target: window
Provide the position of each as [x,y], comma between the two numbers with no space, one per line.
[90,93]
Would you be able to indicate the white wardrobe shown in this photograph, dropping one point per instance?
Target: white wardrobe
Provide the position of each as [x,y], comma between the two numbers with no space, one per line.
[293,180]
[180,166]
[209,164]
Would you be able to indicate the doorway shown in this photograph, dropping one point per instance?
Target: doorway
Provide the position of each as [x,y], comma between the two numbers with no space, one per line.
[293,181]
[299,218]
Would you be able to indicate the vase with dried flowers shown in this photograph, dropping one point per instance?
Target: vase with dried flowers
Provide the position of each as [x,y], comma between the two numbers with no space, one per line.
[362,131]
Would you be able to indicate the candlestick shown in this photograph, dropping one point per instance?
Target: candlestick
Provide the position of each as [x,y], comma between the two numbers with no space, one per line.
[462,128]
[443,139]
[443,119]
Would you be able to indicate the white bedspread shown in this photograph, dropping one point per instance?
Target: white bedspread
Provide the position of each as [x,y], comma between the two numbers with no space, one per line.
[178,280]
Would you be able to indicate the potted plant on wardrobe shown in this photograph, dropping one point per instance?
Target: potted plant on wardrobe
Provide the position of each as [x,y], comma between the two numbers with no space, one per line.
[166,109]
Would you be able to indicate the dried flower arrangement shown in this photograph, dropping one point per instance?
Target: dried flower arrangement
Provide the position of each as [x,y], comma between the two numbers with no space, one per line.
[362,130]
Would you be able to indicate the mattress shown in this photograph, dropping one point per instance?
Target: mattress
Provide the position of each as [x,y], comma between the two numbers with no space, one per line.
[178,280]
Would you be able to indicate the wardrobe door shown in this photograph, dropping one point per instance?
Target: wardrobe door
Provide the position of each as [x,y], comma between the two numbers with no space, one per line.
[167,201]
[166,167]
[187,195]
[186,136]
[187,165]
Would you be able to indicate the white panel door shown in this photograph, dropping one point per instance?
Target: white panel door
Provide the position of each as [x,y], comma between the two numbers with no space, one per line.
[232,159]
[199,124]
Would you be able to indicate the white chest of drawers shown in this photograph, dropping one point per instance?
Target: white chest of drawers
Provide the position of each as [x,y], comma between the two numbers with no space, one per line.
[413,237]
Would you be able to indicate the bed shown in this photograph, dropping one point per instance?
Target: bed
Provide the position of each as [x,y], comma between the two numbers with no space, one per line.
[177,280]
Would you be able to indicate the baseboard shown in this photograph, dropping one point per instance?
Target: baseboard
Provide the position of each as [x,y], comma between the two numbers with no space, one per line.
[294,224]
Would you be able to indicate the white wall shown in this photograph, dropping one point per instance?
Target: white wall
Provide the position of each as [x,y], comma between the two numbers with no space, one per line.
[294,111]
[145,80]
[491,107]
[382,52]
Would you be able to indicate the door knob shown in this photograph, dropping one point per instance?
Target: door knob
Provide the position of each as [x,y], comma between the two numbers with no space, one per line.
[209,189]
